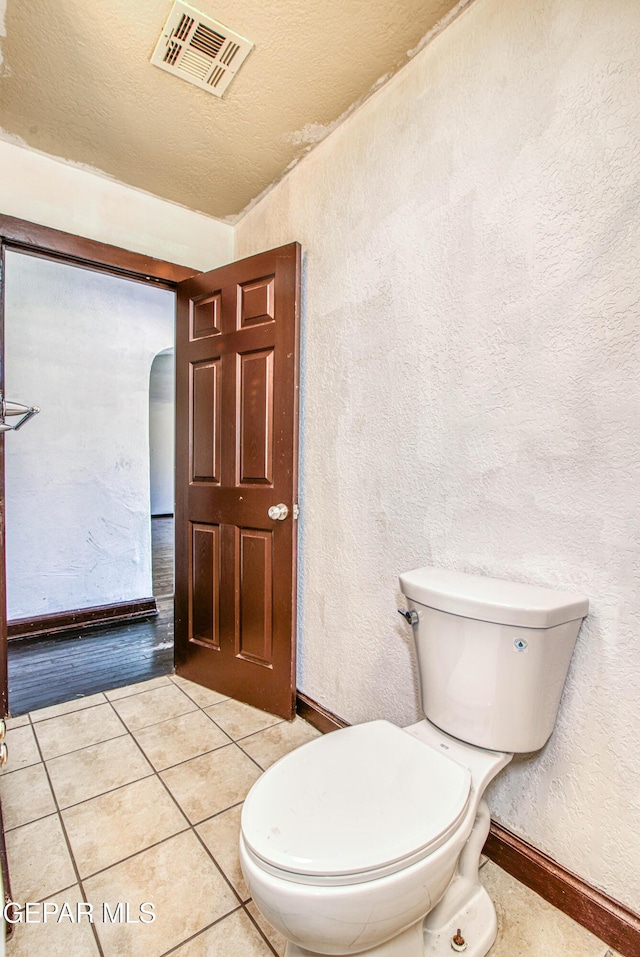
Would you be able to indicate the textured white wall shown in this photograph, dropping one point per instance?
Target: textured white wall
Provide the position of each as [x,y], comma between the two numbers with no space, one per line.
[45,190]
[80,345]
[471,360]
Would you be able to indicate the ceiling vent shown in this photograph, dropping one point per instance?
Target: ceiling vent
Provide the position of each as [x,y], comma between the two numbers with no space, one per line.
[200,49]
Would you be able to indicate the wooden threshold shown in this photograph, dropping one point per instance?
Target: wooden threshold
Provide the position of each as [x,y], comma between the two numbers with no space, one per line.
[605,917]
[81,618]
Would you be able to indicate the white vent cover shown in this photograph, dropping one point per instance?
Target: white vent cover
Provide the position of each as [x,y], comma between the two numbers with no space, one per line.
[200,50]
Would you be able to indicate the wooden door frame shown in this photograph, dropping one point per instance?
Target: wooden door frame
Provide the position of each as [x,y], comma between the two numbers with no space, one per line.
[42,241]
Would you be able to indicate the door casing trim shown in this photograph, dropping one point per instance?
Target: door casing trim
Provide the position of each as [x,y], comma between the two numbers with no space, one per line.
[80,251]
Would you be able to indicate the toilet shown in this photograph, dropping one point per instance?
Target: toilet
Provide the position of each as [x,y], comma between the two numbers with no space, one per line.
[368,839]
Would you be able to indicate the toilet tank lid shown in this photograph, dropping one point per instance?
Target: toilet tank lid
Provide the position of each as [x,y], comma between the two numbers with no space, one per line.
[491,599]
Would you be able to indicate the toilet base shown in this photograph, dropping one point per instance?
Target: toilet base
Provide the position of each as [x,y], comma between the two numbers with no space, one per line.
[465,906]
[476,921]
[410,943]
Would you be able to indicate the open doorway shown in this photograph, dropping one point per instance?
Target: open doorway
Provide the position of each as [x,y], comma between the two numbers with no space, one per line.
[162,388]
[262,293]
[78,493]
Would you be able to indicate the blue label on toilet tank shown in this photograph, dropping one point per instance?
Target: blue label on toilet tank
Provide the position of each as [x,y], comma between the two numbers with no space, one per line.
[520,645]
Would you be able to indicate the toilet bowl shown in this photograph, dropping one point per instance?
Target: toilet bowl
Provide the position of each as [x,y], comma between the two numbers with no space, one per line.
[343,861]
[368,840]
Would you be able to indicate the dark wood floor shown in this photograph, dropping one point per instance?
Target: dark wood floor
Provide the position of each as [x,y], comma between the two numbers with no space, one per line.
[46,671]
[162,545]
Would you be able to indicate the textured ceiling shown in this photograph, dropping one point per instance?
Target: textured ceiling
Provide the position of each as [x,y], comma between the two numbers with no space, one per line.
[77,83]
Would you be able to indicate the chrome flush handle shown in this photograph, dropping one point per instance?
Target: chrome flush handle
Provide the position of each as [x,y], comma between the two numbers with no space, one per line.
[411,616]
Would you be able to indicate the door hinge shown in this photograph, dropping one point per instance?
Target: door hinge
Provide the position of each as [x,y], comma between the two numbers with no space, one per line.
[296,510]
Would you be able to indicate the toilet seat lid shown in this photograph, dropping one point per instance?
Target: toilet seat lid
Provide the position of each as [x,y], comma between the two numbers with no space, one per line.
[357,800]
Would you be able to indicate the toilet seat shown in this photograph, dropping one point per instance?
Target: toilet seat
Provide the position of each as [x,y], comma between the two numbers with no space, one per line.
[354,805]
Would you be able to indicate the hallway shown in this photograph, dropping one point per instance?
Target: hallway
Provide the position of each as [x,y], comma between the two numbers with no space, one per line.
[47,671]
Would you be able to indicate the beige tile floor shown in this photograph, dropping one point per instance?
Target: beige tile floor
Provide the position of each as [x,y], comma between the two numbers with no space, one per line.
[135,796]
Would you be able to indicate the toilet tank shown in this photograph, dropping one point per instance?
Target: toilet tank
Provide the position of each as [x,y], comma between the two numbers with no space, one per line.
[492,655]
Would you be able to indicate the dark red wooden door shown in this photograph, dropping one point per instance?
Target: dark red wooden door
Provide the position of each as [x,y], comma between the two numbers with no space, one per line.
[236,457]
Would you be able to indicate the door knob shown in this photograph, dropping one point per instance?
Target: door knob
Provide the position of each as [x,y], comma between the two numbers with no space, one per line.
[278,512]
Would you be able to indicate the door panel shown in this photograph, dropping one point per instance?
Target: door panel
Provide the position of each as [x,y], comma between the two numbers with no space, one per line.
[255,414]
[204,584]
[204,316]
[255,303]
[204,393]
[236,455]
[255,588]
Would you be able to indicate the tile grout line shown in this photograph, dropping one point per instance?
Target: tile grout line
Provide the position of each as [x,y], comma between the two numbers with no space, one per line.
[133,694]
[142,850]
[188,940]
[151,773]
[70,807]
[262,770]
[200,754]
[68,843]
[133,731]
[190,827]
[259,928]
[193,828]
[132,734]
[63,714]
[10,830]
[92,745]
[242,905]
[210,854]
[205,820]
[42,900]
